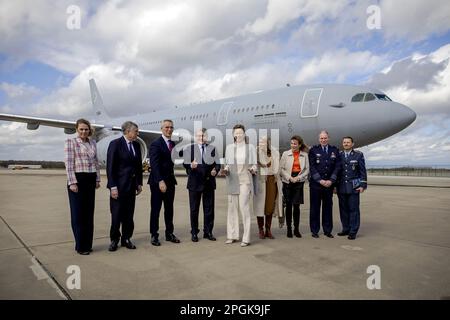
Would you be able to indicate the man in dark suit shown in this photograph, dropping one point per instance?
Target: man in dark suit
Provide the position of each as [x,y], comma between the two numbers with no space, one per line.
[202,165]
[162,183]
[124,171]
[352,181]
[323,167]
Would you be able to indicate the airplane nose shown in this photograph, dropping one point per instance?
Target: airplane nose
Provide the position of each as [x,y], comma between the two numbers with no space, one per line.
[402,116]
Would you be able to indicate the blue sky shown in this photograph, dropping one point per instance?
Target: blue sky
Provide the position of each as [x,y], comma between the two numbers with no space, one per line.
[142,47]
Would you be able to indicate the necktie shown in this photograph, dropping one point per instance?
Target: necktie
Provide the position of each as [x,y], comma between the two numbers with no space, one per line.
[130,148]
[203,153]
[346,155]
[170,143]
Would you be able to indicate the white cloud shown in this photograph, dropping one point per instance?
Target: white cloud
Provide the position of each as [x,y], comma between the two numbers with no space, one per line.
[19,91]
[18,143]
[421,82]
[277,15]
[415,20]
[338,64]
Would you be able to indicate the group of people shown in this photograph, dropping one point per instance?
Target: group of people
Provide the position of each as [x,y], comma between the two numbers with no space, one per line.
[259,182]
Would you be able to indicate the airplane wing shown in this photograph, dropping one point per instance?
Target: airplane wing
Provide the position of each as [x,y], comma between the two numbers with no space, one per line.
[33,123]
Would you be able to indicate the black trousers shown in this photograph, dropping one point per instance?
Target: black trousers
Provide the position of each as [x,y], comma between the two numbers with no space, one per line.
[122,213]
[289,214]
[317,197]
[293,196]
[208,210]
[157,199]
[82,205]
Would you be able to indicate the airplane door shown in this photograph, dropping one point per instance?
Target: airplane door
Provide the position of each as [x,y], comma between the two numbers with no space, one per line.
[222,116]
[310,103]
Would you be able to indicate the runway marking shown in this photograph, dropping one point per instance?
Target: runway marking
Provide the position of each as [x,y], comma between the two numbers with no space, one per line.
[347,247]
[38,268]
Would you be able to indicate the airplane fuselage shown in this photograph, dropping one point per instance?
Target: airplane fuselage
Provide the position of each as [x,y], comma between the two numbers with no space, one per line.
[281,113]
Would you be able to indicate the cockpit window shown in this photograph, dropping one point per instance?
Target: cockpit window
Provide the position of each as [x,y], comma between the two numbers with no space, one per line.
[369,97]
[358,97]
[383,97]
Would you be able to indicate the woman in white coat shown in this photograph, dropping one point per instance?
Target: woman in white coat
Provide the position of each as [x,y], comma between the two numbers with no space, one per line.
[294,170]
[240,169]
[267,201]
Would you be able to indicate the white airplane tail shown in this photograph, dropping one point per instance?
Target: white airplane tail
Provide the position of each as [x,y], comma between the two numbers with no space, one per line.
[97,102]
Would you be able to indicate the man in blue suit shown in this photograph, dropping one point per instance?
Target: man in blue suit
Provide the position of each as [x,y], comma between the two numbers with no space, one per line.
[162,183]
[323,167]
[352,181]
[124,171]
[202,165]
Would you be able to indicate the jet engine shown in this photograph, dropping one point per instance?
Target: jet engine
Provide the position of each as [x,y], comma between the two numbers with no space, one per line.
[103,144]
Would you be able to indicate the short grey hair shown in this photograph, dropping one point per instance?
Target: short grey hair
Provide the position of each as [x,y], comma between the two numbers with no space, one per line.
[166,120]
[128,125]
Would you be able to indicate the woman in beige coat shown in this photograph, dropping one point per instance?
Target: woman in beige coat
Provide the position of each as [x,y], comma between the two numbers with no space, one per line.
[294,171]
[240,170]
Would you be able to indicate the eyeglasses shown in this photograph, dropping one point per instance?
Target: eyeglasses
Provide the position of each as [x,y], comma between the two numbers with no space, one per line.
[83,129]
[168,127]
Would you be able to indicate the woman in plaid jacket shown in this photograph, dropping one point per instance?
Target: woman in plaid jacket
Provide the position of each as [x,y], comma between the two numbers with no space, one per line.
[83,177]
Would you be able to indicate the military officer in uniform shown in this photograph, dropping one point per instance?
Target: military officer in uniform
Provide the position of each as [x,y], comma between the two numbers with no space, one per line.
[352,181]
[324,165]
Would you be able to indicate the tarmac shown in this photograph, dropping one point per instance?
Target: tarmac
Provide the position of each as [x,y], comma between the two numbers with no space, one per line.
[404,237]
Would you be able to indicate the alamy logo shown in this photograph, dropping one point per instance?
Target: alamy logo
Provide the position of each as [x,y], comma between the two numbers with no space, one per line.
[374,281]
[73,21]
[74,280]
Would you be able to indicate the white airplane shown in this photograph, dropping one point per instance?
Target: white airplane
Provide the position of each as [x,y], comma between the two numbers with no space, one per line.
[366,114]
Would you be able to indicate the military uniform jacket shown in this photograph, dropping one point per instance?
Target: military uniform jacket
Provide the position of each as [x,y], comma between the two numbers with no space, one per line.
[352,174]
[323,165]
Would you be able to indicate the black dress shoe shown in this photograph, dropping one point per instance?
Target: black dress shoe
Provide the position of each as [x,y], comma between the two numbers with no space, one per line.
[155,241]
[297,234]
[84,253]
[113,246]
[128,244]
[172,238]
[315,235]
[209,236]
[329,235]
[340,234]
[351,237]
[194,238]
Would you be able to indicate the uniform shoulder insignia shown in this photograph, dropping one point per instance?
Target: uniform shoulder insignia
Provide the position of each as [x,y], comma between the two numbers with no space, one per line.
[357,151]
